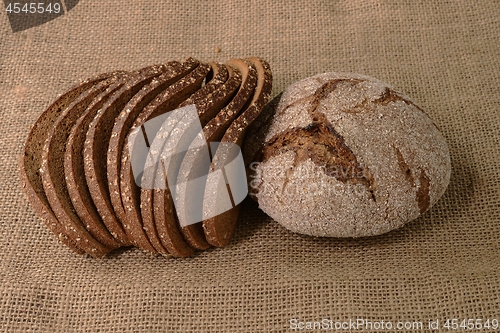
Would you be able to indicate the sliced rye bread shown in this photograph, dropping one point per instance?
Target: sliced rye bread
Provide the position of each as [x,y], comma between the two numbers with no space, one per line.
[208,100]
[162,199]
[74,170]
[31,159]
[127,117]
[220,228]
[253,142]
[166,101]
[213,131]
[99,242]
[163,238]
[98,136]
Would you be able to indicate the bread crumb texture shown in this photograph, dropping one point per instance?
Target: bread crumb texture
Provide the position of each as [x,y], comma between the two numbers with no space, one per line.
[346,155]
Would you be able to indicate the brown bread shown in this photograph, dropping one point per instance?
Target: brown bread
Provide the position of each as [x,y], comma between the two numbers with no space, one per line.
[212,131]
[74,170]
[220,229]
[98,136]
[166,101]
[96,241]
[127,117]
[343,178]
[31,159]
[208,100]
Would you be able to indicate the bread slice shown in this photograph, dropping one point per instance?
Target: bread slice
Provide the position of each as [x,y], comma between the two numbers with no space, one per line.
[74,170]
[31,159]
[191,167]
[208,100]
[163,202]
[127,117]
[98,136]
[96,241]
[166,101]
[166,236]
[220,229]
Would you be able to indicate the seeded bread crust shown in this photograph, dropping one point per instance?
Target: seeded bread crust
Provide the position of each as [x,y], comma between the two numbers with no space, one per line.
[220,229]
[74,165]
[98,136]
[255,136]
[166,101]
[127,117]
[348,156]
[213,131]
[31,159]
[90,234]
[162,217]
[85,181]
[209,100]
[193,233]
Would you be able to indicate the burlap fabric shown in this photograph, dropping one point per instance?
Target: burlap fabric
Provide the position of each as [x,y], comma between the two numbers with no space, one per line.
[445,265]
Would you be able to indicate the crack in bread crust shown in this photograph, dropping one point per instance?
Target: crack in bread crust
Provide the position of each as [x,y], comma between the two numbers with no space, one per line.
[405,168]
[389,95]
[320,142]
[326,148]
[323,92]
[423,198]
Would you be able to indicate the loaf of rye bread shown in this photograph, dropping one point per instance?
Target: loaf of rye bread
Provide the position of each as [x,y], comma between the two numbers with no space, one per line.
[346,155]
[77,167]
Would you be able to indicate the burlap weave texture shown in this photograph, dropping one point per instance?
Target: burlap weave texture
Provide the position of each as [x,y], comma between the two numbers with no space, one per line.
[446,264]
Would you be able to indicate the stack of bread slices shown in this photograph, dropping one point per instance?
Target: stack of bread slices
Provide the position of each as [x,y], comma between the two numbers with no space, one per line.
[76,167]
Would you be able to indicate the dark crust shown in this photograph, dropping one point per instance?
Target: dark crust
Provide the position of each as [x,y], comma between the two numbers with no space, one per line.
[90,235]
[30,160]
[74,169]
[163,216]
[125,120]
[166,101]
[220,229]
[404,167]
[193,234]
[256,132]
[98,136]
[214,131]
[148,221]
[423,197]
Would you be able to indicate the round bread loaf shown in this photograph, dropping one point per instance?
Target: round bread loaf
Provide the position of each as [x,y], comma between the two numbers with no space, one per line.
[346,155]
